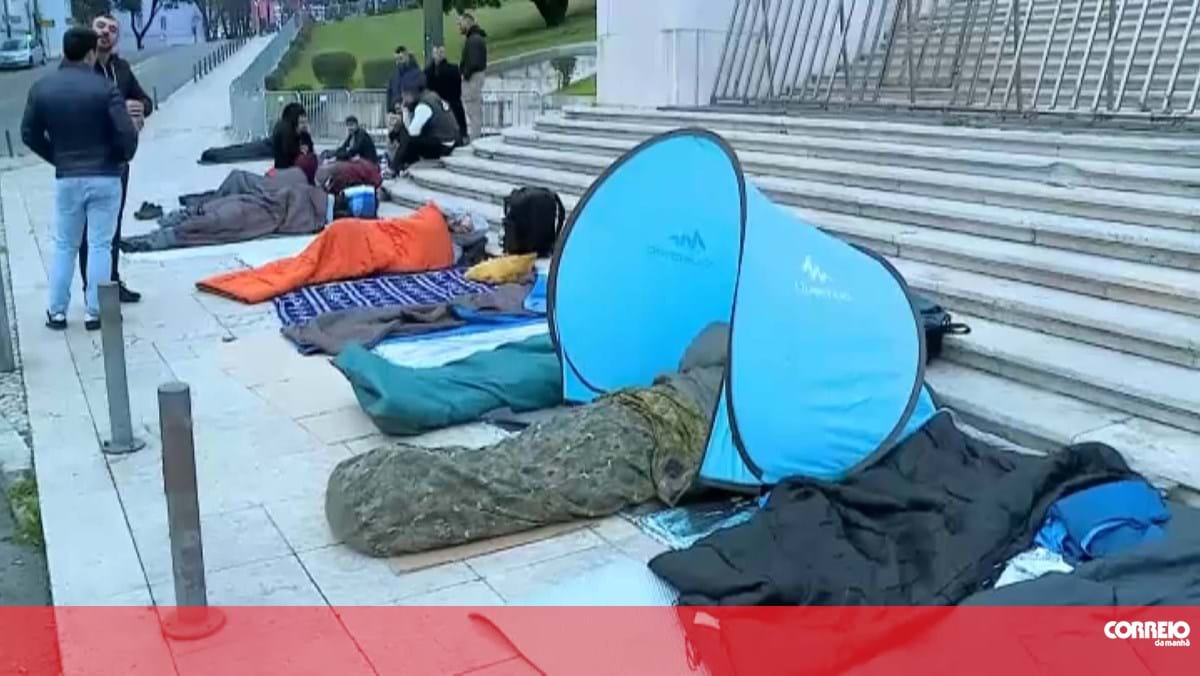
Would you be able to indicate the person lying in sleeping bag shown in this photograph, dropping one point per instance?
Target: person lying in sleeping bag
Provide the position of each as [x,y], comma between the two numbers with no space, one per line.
[624,449]
[348,248]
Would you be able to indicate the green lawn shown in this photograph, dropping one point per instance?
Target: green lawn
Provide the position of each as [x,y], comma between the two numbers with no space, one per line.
[514,28]
[585,87]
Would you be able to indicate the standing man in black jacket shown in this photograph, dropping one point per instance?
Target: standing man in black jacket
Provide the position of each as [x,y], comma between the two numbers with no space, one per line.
[445,79]
[474,70]
[117,70]
[78,122]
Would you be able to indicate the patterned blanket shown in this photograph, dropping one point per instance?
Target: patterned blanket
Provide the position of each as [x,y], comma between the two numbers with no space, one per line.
[423,288]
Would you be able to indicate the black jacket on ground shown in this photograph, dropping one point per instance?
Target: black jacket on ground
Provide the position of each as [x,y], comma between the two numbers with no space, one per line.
[927,526]
[77,121]
[930,523]
[474,53]
[119,72]
[358,144]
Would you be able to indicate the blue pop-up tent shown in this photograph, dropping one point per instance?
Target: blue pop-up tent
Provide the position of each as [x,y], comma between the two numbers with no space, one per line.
[826,353]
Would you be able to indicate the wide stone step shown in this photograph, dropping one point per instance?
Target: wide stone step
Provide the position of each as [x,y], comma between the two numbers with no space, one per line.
[1135,283]
[1165,211]
[602,139]
[1147,332]
[1162,147]
[1154,390]
[1046,420]
[1160,246]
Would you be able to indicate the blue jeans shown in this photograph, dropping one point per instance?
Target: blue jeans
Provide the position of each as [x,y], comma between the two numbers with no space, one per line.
[94,202]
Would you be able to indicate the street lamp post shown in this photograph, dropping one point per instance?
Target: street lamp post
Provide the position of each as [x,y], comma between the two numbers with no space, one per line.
[7,21]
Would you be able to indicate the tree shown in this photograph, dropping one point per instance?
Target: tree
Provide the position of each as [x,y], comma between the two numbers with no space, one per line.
[554,12]
[136,8]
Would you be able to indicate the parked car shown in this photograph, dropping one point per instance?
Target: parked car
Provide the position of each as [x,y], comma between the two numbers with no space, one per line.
[21,52]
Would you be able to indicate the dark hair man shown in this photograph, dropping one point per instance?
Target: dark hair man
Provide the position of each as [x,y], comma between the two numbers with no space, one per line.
[78,122]
[405,66]
[118,71]
[445,79]
[474,69]
[358,146]
[428,130]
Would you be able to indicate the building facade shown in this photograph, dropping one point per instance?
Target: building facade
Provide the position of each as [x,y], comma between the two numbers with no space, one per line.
[659,53]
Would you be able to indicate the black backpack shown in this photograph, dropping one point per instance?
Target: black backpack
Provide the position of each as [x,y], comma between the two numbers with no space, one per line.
[533,218]
[938,323]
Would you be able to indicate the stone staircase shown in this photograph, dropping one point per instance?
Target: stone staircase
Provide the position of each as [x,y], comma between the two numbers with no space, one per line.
[1075,257]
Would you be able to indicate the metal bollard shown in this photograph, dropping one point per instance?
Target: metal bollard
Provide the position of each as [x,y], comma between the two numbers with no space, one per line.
[192,618]
[8,140]
[112,340]
[155,98]
[8,360]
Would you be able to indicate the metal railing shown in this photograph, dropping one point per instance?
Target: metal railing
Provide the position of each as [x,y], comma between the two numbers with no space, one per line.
[248,93]
[1080,57]
[327,110]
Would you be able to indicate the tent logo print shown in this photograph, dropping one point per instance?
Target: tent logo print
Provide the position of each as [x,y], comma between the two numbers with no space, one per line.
[685,248]
[818,283]
[692,241]
[814,272]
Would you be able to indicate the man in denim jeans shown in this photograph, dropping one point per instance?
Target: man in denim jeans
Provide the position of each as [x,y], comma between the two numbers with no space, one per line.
[77,121]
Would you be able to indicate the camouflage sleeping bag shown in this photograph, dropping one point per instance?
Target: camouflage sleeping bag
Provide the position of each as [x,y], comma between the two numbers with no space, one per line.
[592,461]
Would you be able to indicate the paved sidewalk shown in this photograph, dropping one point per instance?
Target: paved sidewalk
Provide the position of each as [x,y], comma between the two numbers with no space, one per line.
[269,423]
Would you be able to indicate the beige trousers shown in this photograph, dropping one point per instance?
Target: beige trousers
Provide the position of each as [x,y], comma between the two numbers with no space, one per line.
[472,97]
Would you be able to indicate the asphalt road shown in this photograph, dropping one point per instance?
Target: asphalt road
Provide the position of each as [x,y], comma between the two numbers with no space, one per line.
[164,68]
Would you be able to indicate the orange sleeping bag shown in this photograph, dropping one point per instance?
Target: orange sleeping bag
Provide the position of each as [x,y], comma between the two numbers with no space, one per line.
[348,249]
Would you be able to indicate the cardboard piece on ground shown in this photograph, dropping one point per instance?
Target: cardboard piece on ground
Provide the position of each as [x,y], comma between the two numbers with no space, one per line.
[411,562]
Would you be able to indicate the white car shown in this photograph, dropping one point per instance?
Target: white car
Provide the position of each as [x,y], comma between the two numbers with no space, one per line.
[21,52]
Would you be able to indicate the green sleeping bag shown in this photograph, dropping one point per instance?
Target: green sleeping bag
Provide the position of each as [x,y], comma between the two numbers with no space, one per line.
[401,400]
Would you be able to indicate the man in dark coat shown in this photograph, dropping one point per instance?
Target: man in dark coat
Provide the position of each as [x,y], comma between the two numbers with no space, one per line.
[425,130]
[140,106]
[79,123]
[474,71]
[358,148]
[405,66]
[445,79]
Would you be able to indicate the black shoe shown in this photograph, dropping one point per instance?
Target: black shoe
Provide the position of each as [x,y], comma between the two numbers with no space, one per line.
[128,295]
[91,323]
[56,322]
[148,212]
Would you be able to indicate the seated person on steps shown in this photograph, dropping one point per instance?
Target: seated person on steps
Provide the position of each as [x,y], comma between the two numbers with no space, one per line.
[426,129]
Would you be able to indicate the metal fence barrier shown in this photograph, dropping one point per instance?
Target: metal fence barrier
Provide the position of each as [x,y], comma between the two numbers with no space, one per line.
[248,93]
[1093,58]
[327,110]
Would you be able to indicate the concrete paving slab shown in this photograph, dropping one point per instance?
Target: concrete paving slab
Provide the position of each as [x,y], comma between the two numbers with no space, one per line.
[344,424]
[302,522]
[498,563]
[275,582]
[230,539]
[517,583]
[476,593]
[348,578]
